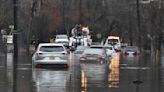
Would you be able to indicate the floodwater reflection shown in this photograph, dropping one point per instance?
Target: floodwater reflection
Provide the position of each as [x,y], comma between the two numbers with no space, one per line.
[94,76]
[83,79]
[113,77]
[47,80]
[120,76]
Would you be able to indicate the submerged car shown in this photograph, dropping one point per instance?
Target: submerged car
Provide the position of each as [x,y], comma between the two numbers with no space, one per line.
[108,48]
[131,50]
[123,46]
[114,41]
[96,46]
[50,55]
[94,54]
[80,49]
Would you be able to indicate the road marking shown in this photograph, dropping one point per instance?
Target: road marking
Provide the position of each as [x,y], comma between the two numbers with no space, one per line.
[1,66]
[2,82]
[135,68]
[2,55]
[24,64]
[24,69]
[123,64]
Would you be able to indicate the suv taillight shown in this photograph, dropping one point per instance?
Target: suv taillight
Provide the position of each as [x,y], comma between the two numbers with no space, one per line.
[83,56]
[38,54]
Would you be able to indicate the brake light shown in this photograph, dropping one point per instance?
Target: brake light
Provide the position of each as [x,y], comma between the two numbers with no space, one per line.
[38,66]
[83,56]
[38,54]
[99,57]
[66,66]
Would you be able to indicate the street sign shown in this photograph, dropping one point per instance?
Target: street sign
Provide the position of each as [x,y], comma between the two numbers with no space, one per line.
[11,27]
[9,39]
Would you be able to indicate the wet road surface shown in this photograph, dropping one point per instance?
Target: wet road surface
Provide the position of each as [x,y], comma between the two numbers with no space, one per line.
[124,74]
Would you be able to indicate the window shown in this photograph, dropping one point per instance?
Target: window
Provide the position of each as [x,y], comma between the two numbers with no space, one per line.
[131,49]
[94,51]
[112,41]
[51,48]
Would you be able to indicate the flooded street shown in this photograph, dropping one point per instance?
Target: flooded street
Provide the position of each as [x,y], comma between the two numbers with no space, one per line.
[124,74]
[81,45]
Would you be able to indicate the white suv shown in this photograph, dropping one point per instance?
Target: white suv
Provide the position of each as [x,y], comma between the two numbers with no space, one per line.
[50,54]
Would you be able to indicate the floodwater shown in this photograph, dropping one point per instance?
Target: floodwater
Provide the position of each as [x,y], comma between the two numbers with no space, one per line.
[124,74]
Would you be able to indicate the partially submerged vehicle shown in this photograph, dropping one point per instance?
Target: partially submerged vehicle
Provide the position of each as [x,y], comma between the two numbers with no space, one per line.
[114,41]
[50,55]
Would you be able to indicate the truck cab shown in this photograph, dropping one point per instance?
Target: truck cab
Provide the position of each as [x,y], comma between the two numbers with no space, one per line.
[114,41]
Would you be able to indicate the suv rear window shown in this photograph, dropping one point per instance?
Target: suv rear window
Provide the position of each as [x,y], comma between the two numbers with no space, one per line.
[93,51]
[61,37]
[51,48]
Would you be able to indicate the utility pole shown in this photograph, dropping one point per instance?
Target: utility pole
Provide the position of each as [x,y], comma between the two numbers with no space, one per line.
[15,28]
[64,16]
[160,25]
[138,24]
[15,46]
[64,13]
[138,81]
[80,12]
[33,13]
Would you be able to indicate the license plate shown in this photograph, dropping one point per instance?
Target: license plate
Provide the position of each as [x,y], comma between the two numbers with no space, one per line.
[91,58]
[51,58]
[57,58]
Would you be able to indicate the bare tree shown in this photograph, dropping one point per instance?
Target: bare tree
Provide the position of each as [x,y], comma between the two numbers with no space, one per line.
[5,13]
